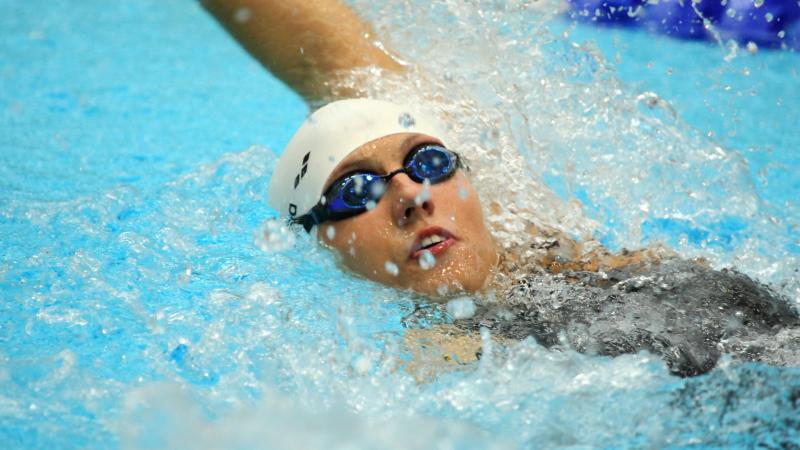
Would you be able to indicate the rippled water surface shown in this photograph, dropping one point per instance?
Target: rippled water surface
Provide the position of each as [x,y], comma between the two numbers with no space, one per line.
[143,305]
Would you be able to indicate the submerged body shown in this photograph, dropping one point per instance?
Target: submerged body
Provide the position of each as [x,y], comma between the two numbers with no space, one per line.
[686,313]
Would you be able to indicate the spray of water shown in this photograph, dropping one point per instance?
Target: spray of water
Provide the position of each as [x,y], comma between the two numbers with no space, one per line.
[534,113]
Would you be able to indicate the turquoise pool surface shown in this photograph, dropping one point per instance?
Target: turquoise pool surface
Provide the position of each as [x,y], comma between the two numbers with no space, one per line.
[141,308]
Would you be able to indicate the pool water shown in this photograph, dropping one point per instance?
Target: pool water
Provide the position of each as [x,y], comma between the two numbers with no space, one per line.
[142,306]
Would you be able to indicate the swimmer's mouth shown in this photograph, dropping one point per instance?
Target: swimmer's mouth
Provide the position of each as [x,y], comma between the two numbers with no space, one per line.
[433,239]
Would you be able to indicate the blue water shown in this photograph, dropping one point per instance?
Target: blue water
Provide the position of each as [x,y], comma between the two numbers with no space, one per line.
[140,309]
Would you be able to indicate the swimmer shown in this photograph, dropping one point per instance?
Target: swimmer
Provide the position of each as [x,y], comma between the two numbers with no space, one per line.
[379,184]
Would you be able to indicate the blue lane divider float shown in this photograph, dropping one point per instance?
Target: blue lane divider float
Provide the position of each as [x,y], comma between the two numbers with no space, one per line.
[767,23]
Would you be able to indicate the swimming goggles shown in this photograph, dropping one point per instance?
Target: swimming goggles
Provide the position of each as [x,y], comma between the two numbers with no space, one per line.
[358,192]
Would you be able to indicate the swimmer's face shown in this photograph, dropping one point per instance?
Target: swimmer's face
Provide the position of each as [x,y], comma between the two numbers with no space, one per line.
[383,244]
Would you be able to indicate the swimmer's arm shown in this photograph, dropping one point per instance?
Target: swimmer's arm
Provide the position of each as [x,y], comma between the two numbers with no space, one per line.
[305,43]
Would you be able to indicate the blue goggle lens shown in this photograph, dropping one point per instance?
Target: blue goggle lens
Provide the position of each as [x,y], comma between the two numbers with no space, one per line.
[432,163]
[356,191]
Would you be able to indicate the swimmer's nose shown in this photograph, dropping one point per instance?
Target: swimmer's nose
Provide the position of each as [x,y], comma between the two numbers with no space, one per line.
[410,200]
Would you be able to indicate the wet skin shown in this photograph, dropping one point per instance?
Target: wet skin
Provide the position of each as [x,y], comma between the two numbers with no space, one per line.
[383,244]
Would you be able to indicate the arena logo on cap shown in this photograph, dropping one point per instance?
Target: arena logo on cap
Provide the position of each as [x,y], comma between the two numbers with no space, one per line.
[302,170]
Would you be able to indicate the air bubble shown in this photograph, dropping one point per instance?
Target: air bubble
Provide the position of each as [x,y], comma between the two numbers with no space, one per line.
[427,260]
[391,268]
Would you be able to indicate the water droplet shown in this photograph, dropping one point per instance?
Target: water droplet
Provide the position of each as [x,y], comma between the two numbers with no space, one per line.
[424,195]
[442,289]
[371,205]
[768,17]
[461,308]
[426,260]
[758,3]
[752,48]
[262,293]
[406,120]
[362,365]
[274,236]
[377,189]
[330,232]
[731,12]
[242,15]
[781,34]
[463,193]
[359,181]
[391,268]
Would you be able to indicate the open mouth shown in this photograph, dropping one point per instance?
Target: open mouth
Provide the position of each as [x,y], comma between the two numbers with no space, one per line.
[432,239]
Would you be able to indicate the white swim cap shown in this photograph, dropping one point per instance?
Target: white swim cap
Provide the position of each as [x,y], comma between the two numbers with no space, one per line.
[327,137]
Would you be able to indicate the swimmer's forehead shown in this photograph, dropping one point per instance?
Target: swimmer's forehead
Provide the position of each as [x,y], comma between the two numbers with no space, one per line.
[380,155]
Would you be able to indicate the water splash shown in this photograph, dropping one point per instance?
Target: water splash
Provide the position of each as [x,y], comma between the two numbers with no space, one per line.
[556,139]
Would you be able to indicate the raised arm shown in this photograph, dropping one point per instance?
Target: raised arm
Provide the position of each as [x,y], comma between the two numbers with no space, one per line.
[305,43]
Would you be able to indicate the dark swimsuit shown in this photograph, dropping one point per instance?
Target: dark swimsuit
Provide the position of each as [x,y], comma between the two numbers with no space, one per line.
[685,313]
